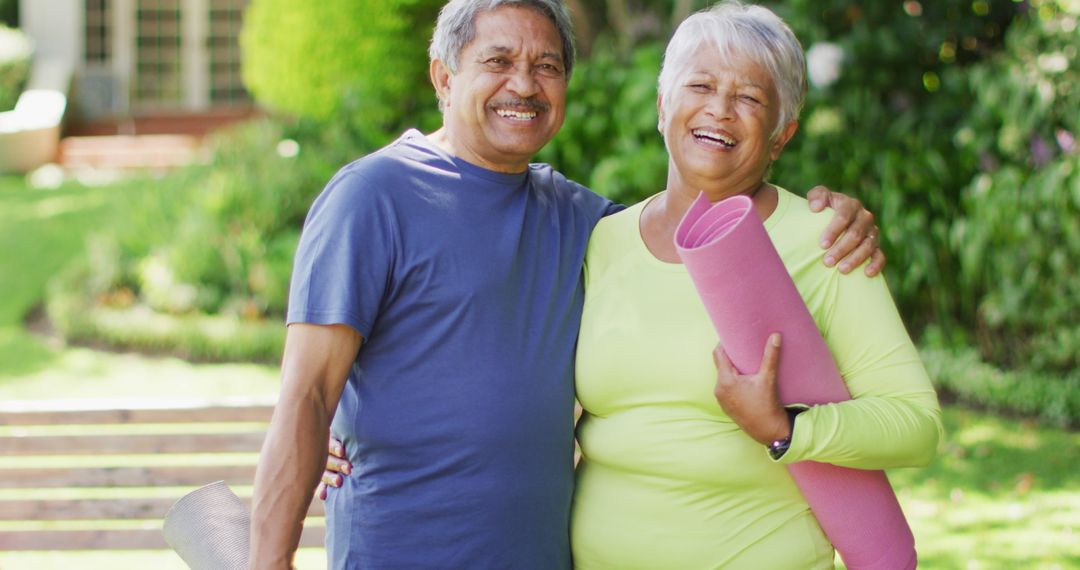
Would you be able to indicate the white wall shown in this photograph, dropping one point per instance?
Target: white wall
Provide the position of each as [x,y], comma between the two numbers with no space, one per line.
[56,27]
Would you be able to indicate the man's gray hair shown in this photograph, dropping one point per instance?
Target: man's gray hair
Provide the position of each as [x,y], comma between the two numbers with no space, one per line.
[456,28]
[738,30]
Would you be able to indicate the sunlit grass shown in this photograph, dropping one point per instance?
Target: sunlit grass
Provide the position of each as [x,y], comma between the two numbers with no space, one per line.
[1002,494]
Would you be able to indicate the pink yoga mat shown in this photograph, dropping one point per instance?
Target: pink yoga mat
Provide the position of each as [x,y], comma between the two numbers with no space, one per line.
[749,295]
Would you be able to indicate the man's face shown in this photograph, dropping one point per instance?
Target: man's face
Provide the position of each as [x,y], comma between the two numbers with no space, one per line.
[507,99]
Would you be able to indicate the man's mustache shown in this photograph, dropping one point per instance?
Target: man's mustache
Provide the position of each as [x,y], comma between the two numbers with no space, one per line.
[520,104]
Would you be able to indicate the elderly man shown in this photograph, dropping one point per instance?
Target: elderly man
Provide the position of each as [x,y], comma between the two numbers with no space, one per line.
[435,304]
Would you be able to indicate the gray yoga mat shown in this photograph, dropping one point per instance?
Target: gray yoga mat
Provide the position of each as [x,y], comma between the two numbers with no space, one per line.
[208,528]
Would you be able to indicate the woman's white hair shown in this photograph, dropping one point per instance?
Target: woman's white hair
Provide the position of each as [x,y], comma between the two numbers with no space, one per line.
[456,28]
[739,30]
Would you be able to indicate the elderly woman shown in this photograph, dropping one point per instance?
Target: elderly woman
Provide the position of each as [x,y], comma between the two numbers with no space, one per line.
[675,472]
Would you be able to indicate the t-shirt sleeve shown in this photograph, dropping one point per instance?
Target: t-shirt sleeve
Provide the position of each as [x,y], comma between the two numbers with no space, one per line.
[894,419]
[343,265]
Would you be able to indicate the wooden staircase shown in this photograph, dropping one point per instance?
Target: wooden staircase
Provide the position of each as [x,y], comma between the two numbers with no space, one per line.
[70,474]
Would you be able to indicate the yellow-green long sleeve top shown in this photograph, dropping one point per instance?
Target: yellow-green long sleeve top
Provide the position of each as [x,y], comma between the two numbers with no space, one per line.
[667,479]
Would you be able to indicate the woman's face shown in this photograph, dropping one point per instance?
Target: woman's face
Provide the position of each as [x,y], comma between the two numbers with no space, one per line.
[719,121]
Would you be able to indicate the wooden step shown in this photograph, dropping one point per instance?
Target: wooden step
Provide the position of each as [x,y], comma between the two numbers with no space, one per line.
[101,509]
[63,412]
[130,539]
[130,152]
[131,444]
[172,476]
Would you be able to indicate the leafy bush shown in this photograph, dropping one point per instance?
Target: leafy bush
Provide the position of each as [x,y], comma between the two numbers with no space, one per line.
[362,61]
[216,239]
[9,13]
[14,65]
[609,141]
[1019,240]
[1052,398]
[884,129]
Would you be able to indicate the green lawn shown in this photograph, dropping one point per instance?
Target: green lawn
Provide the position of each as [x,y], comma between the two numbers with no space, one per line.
[1004,493]
[40,232]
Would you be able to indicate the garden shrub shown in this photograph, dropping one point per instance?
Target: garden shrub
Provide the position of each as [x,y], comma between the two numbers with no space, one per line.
[609,140]
[9,13]
[1019,238]
[962,373]
[206,244]
[362,61]
[884,129]
[15,55]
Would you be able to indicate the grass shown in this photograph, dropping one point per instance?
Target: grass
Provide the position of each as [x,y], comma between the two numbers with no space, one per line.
[40,232]
[1004,493]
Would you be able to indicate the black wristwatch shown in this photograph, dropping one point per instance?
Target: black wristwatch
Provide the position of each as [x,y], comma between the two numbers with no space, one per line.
[778,448]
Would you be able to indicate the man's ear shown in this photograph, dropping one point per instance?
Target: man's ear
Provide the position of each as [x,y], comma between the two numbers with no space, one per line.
[782,139]
[440,80]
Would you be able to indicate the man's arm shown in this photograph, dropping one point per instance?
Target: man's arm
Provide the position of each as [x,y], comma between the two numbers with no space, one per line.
[313,372]
[860,238]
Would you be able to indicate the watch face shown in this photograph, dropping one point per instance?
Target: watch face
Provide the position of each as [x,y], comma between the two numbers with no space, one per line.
[779,448]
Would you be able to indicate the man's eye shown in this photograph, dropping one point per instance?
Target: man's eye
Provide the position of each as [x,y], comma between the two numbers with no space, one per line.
[549,69]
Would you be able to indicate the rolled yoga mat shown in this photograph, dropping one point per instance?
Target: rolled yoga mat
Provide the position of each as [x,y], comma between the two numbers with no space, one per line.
[208,528]
[749,295]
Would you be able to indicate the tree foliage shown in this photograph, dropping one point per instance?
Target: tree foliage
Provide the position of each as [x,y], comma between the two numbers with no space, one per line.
[362,62]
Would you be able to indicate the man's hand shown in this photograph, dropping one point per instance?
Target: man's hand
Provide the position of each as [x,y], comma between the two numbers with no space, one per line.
[336,466]
[751,400]
[861,239]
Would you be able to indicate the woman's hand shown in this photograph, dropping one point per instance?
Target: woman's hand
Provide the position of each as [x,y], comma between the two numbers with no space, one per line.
[336,465]
[861,239]
[751,400]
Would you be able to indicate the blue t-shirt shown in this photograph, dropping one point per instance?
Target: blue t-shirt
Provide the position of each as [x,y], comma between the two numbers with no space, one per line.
[458,412]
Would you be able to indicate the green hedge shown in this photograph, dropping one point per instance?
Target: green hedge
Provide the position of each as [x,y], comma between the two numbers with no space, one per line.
[203,247]
[9,13]
[14,65]
[1052,398]
[360,62]
[1019,237]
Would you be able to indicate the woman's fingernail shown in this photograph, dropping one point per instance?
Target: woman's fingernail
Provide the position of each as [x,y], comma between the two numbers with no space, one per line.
[830,260]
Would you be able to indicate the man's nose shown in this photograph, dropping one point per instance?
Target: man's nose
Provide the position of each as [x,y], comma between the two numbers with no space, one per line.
[523,82]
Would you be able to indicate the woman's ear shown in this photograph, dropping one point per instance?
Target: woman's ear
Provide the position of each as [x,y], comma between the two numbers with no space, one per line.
[782,139]
[660,113]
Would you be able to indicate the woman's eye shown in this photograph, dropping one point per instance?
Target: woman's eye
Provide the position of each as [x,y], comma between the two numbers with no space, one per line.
[749,99]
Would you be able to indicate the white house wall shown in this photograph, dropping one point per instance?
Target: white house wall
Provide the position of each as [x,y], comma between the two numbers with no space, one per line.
[56,27]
